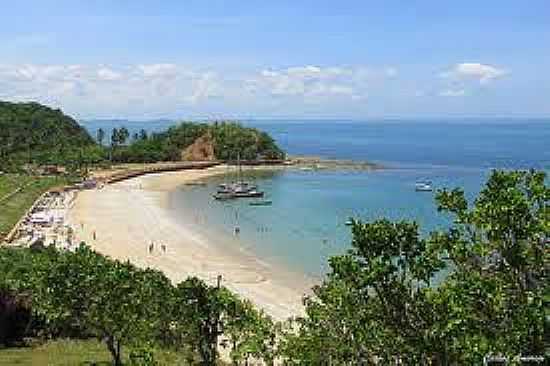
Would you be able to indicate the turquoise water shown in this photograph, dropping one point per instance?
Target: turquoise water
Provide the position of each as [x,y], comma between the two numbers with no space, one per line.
[305,224]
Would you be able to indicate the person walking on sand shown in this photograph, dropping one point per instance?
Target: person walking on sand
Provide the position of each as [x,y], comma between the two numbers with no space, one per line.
[151,247]
[163,247]
[94,235]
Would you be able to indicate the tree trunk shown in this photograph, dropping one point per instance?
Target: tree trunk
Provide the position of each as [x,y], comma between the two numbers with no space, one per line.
[114,348]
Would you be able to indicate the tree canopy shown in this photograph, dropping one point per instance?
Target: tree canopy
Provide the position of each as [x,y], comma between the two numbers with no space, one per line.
[36,134]
[25,126]
[230,141]
[85,294]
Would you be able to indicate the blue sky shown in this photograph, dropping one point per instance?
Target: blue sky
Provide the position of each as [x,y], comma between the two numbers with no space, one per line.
[214,59]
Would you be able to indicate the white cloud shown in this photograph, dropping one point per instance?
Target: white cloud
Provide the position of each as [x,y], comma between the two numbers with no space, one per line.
[158,70]
[165,88]
[318,83]
[453,93]
[476,71]
[107,74]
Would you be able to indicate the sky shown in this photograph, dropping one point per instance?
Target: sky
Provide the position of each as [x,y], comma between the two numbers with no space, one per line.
[278,59]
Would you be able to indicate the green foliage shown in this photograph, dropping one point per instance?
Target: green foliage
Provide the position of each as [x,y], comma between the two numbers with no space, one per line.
[84,294]
[33,133]
[30,130]
[449,298]
[230,141]
[100,136]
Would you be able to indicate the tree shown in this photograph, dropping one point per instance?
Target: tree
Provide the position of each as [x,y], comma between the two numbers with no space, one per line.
[126,305]
[115,137]
[451,297]
[116,302]
[250,332]
[123,135]
[200,306]
[100,136]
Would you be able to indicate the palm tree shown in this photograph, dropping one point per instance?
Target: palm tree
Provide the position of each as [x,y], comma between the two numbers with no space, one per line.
[100,136]
[114,142]
[123,135]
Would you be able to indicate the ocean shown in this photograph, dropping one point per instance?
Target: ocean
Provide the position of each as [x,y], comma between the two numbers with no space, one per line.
[306,223]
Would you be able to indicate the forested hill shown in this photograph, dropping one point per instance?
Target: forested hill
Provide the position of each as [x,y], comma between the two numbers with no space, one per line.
[36,134]
[222,140]
[25,126]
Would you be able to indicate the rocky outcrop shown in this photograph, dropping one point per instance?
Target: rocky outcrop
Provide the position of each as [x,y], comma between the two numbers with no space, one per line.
[200,150]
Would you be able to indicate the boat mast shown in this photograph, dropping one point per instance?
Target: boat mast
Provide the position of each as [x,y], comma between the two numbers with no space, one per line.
[239,175]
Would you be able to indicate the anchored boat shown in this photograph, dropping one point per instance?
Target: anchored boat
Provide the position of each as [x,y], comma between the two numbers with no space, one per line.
[261,203]
[239,189]
[424,186]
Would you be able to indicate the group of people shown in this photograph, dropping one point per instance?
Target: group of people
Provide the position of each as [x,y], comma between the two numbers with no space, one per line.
[152,247]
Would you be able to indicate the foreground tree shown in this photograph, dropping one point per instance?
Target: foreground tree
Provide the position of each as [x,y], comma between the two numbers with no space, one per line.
[449,298]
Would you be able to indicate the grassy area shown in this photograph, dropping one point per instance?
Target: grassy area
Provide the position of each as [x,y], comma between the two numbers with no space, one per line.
[10,182]
[74,352]
[13,208]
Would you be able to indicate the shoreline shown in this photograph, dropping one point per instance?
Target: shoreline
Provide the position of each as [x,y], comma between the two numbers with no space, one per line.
[128,216]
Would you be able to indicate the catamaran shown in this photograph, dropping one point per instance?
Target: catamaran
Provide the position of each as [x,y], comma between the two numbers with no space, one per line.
[239,189]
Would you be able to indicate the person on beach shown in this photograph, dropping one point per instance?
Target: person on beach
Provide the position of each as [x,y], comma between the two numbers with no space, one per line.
[94,235]
[151,247]
[163,247]
[237,230]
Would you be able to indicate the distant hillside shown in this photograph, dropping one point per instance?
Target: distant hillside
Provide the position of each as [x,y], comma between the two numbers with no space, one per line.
[226,140]
[32,126]
[36,134]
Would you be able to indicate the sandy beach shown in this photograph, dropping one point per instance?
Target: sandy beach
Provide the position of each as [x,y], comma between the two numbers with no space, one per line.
[125,218]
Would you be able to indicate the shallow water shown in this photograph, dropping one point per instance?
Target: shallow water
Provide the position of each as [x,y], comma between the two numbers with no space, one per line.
[305,225]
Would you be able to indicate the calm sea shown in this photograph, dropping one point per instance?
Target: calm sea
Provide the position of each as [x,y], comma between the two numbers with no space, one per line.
[306,223]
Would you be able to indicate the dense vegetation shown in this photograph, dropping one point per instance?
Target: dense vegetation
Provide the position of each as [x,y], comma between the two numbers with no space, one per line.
[451,298]
[84,294]
[229,140]
[31,133]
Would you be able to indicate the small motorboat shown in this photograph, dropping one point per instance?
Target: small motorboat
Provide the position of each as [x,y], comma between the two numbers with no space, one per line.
[252,193]
[425,186]
[223,196]
[261,203]
[348,222]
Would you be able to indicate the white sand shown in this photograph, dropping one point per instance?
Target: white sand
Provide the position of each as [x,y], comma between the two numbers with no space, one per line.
[129,215]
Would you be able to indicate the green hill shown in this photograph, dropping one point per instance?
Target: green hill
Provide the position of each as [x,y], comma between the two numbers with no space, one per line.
[32,127]
[34,133]
[225,140]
